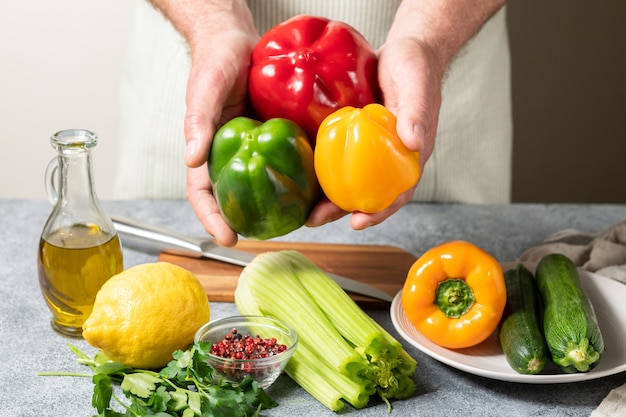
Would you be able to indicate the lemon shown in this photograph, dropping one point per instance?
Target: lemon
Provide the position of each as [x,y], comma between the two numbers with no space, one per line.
[145,313]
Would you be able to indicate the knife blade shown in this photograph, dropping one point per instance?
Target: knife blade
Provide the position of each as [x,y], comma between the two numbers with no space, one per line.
[155,239]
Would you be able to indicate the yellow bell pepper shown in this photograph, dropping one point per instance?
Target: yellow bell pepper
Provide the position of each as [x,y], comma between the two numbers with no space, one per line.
[455,295]
[360,161]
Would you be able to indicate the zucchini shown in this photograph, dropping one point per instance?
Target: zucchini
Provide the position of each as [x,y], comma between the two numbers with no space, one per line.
[570,325]
[520,332]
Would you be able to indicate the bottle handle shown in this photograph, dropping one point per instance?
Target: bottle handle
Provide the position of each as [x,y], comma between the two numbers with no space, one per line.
[51,175]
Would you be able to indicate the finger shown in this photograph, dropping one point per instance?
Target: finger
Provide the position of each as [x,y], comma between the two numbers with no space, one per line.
[360,220]
[417,113]
[206,208]
[411,86]
[324,212]
[206,91]
[410,128]
[417,122]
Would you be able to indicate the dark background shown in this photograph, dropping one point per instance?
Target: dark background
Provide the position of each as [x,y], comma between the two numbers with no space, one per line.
[569,87]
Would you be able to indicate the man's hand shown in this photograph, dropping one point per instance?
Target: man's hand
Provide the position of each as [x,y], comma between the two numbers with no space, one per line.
[423,40]
[221,36]
[216,93]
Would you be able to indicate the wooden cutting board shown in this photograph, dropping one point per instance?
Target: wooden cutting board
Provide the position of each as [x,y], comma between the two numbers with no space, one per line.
[384,267]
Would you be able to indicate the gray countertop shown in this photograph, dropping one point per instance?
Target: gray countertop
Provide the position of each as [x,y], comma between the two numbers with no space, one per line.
[29,345]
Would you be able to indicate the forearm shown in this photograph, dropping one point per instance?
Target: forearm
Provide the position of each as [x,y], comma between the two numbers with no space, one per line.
[445,26]
[198,19]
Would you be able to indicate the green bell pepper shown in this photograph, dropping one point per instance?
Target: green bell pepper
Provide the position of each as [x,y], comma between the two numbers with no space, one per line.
[263,176]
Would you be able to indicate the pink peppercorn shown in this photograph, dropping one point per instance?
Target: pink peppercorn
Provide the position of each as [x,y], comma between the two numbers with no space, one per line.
[237,346]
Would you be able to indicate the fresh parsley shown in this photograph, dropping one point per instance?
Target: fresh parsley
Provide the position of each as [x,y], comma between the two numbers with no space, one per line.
[184,388]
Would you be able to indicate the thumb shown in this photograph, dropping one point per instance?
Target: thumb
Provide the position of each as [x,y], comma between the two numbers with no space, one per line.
[418,115]
[204,107]
[411,130]
[411,85]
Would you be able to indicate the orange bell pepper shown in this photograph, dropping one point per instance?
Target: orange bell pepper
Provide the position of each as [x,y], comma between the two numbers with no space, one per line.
[455,295]
[360,161]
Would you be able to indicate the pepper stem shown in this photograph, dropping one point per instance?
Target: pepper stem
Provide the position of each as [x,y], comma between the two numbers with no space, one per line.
[454,297]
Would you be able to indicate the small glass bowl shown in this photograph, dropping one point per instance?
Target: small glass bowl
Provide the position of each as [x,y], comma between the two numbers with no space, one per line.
[264,370]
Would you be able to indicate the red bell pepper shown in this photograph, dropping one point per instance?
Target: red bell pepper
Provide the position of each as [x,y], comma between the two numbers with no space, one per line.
[307,67]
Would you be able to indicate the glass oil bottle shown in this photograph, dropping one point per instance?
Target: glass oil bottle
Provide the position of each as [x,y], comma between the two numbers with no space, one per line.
[79,249]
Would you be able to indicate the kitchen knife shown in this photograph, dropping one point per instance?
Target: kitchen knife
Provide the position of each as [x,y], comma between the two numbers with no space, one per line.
[154,239]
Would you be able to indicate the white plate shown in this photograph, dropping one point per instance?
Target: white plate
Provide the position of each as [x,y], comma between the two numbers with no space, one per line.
[609,301]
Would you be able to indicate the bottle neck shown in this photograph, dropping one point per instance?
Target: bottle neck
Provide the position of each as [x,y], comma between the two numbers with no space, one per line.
[76,185]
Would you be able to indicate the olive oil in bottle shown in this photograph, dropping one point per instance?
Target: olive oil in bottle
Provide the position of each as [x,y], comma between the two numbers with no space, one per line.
[79,249]
[72,271]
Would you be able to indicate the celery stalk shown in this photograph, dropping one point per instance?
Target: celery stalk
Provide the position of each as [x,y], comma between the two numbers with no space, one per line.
[309,371]
[324,383]
[312,375]
[308,375]
[342,353]
[311,380]
[298,309]
[347,317]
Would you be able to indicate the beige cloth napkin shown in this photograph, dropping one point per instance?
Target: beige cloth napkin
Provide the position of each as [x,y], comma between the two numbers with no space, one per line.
[603,253]
[614,405]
